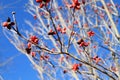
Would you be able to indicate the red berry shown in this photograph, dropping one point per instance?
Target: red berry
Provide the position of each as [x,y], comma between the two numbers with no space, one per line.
[29,45]
[34,39]
[5,24]
[90,33]
[63,31]
[59,28]
[51,32]
[33,54]
[35,17]
[38,1]
[75,67]
[65,71]
[41,5]
[47,1]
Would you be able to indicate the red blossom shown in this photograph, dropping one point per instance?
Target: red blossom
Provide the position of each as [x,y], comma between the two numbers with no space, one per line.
[83,1]
[82,43]
[94,46]
[75,4]
[47,57]
[41,5]
[51,32]
[97,59]
[35,17]
[5,24]
[86,44]
[47,1]
[75,67]
[79,41]
[42,2]
[34,39]
[33,54]
[65,71]
[75,22]
[59,28]
[29,45]
[63,31]
[8,24]
[90,33]
[39,1]
[28,50]
[42,57]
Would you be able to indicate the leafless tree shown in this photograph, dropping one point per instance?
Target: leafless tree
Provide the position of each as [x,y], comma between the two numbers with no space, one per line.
[70,39]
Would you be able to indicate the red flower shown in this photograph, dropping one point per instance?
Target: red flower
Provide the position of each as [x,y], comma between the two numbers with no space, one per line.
[39,1]
[65,71]
[42,2]
[97,59]
[47,1]
[46,57]
[59,28]
[33,54]
[75,67]
[41,5]
[82,43]
[35,17]
[51,32]
[75,4]
[75,22]
[28,50]
[86,44]
[8,23]
[83,1]
[29,45]
[34,39]
[63,31]
[5,24]
[90,33]
[42,57]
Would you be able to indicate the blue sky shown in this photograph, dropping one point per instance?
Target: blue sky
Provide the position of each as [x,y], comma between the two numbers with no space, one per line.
[19,68]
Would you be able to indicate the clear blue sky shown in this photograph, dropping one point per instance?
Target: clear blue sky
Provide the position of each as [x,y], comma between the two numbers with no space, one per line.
[19,68]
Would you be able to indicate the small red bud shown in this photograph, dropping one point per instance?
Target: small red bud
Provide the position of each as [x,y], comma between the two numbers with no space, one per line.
[38,1]
[41,5]
[33,54]
[5,24]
